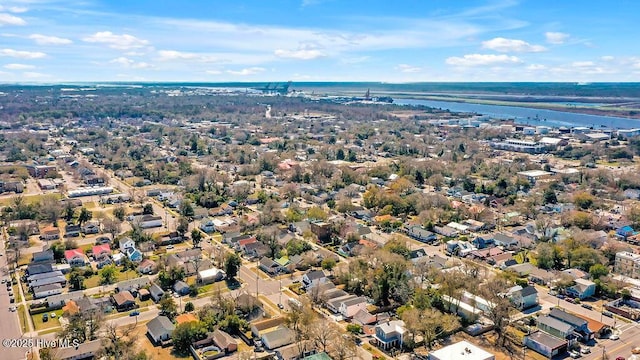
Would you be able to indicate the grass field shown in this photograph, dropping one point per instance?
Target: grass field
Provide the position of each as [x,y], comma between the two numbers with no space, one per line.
[50,324]
[94,280]
[28,199]
[22,315]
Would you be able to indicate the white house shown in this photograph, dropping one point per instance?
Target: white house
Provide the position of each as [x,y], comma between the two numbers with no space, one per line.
[210,275]
[160,329]
[126,243]
[390,334]
[350,307]
[46,290]
[313,278]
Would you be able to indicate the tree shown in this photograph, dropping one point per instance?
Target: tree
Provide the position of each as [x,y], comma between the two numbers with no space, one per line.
[500,307]
[597,271]
[183,226]
[323,333]
[186,333]
[168,306]
[232,265]
[196,237]
[119,212]
[50,209]
[69,213]
[316,213]
[76,279]
[108,275]
[84,216]
[583,199]
[112,226]
[147,209]
[186,208]
[328,264]
[188,307]
[549,196]
[299,319]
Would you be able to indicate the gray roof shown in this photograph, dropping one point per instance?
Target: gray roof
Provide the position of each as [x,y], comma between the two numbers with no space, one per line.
[357,300]
[75,352]
[277,338]
[156,290]
[160,324]
[550,341]
[47,287]
[315,275]
[555,324]
[567,318]
[136,283]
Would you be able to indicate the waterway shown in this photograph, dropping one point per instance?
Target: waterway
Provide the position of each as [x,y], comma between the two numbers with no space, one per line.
[528,116]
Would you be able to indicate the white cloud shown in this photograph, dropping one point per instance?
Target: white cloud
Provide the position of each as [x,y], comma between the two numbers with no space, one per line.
[246,71]
[169,55]
[213,72]
[405,68]
[115,41]
[17,9]
[22,54]
[482,59]
[302,54]
[128,63]
[49,40]
[556,38]
[19,67]
[607,58]
[511,45]
[8,19]
[582,63]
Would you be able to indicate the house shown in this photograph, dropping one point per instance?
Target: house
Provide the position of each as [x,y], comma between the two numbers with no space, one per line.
[149,221]
[576,274]
[390,334]
[133,254]
[147,266]
[625,231]
[42,256]
[582,289]
[34,269]
[508,242]
[72,230]
[523,298]
[224,341]
[123,300]
[50,233]
[545,344]
[555,327]
[350,307]
[541,276]
[144,294]
[181,288]
[364,317]
[125,243]
[210,275]
[278,338]
[580,325]
[133,284]
[91,227]
[160,329]
[207,226]
[46,290]
[261,327]
[421,234]
[102,255]
[46,279]
[156,292]
[461,350]
[313,278]
[269,266]
[83,351]
[75,257]
[31,226]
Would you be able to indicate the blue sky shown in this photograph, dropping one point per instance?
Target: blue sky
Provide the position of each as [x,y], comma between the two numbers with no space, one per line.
[318,40]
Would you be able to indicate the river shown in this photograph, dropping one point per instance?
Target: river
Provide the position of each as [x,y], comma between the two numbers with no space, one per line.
[529,116]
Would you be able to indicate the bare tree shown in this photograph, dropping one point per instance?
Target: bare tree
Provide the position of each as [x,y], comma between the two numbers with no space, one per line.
[323,333]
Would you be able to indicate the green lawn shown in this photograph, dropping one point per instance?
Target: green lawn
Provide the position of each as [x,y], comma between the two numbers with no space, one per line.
[94,281]
[28,199]
[50,324]
[16,293]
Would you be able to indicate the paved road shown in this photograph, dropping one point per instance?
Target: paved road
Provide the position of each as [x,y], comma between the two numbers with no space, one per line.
[9,323]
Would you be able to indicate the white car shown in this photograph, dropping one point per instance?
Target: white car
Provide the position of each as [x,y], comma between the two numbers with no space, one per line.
[52,315]
[13,308]
[169,247]
[614,337]
[574,354]
[585,350]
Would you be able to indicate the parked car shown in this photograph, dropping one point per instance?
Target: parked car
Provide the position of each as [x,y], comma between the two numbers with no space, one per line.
[134,313]
[614,337]
[607,314]
[585,350]
[560,296]
[574,354]
[570,300]
[587,306]
[53,315]
[12,308]
[280,306]
[169,247]
[45,317]
[12,299]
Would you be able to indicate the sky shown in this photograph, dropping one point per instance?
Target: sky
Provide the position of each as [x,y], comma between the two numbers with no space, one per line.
[51,41]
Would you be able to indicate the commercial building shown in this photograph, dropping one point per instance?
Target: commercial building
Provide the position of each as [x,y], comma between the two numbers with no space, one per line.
[627,264]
